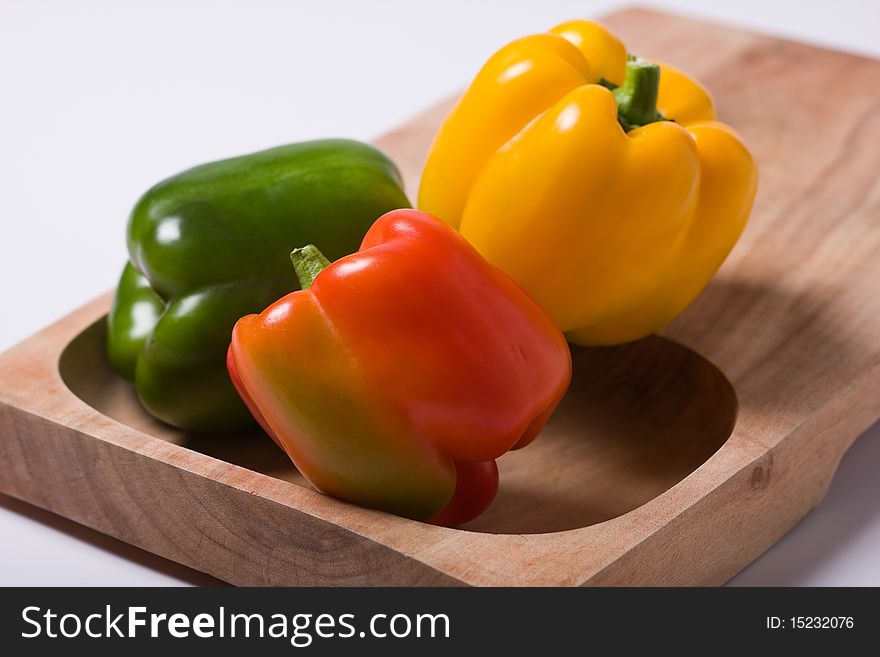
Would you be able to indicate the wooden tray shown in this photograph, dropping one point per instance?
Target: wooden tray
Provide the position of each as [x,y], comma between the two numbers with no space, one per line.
[675,460]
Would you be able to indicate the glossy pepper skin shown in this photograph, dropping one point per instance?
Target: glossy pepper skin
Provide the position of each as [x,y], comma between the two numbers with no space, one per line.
[212,244]
[612,218]
[399,376]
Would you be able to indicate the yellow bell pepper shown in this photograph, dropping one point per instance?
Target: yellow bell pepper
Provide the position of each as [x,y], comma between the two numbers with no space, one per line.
[599,181]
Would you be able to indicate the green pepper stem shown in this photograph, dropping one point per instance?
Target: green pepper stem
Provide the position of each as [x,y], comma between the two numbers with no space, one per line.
[308,263]
[637,96]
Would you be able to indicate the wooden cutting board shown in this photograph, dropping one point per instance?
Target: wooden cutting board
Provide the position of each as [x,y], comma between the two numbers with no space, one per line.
[674,460]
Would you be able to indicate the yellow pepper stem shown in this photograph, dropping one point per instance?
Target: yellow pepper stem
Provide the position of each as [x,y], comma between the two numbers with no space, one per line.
[637,96]
[308,263]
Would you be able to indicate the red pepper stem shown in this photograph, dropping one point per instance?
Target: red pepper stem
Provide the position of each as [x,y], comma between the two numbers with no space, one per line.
[308,263]
[637,96]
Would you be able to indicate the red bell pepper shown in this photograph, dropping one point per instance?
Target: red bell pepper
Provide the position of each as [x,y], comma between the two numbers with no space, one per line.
[398,374]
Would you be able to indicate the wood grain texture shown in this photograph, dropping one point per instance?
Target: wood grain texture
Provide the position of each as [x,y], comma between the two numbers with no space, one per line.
[675,460]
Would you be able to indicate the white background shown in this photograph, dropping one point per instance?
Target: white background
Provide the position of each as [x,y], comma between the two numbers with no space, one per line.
[98,100]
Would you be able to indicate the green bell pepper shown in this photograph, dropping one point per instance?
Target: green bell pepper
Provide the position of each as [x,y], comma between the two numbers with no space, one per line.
[212,244]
